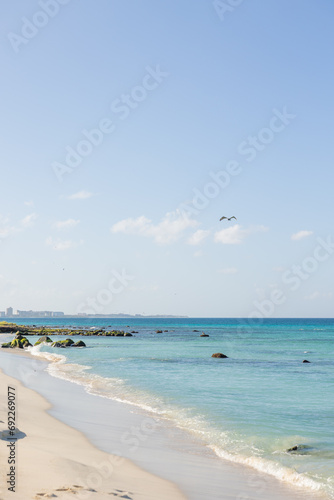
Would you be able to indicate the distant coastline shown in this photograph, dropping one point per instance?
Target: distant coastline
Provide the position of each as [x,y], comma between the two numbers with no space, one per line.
[11,313]
[92,316]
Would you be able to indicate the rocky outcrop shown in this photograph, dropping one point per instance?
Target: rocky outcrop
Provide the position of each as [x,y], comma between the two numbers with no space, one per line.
[302,449]
[43,339]
[41,331]
[58,344]
[219,355]
[63,343]
[80,343]
[305,361]
[19,342]
[204,335]
[68,343]
[6,327]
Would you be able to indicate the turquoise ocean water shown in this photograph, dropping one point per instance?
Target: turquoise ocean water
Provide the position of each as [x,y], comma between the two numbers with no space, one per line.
[249,408]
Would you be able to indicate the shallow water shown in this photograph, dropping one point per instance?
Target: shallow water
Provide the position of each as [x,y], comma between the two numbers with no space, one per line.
[249,408]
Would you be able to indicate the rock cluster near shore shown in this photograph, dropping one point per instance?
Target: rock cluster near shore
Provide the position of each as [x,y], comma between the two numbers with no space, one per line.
[22,331]
[19,342]
[45,331]
[67,343]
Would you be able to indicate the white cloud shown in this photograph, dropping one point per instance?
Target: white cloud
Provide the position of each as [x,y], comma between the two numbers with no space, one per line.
[80,195]
[316,295]
[300,235]
[132,226]
[197,237]
[235,235]
[170,229]
[61,245]
[28,220]
[312,296]
[29,203]
[66,224]
[228,270]
[8,229]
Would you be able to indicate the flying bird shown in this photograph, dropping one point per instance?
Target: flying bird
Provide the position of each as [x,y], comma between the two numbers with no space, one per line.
[228,218]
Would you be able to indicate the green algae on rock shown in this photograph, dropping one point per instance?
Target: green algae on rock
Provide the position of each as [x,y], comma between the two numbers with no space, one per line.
[43,339]
[80,343]
[19,342]
[61,343]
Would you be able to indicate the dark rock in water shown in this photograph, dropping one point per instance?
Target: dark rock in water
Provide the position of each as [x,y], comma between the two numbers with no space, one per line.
[165,330]
[195,330]
[67,342]
[127,335]
[80,343]
[58,344]
[63,343]
[158,331]
[219,355]
[301,448]
[204,335]
[43,339]
[305,361]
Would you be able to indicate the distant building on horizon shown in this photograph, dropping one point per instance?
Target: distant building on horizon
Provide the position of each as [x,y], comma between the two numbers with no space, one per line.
[9,311]
[58,314]
[37,314]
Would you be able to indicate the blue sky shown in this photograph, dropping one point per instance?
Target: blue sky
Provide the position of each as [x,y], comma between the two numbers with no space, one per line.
[129,128]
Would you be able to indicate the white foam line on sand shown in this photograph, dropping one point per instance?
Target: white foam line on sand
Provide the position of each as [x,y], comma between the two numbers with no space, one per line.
[54,453]
[53,460]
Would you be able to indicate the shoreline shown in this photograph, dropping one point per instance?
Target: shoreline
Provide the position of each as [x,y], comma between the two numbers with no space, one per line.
[166,451]
[55,460]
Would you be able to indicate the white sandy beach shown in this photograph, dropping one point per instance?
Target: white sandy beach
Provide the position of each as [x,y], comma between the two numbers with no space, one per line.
[57,460]
[54,460]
